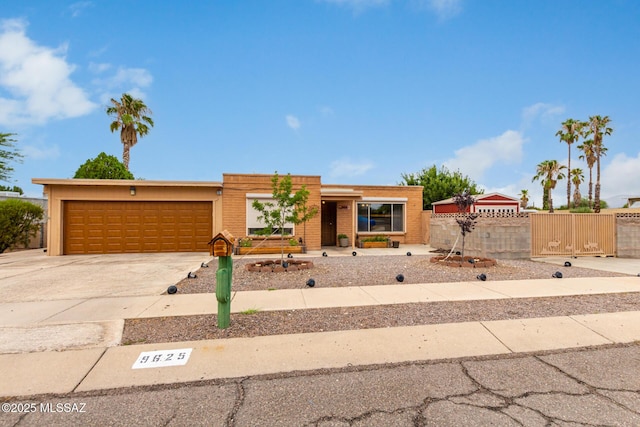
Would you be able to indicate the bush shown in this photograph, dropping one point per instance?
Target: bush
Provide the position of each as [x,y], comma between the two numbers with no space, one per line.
[103,167]
[19,221]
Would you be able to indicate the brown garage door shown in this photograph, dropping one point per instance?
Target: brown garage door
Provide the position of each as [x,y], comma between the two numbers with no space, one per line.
[115,227]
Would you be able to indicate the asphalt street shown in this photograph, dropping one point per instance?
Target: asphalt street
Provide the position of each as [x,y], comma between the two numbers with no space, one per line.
[580,387]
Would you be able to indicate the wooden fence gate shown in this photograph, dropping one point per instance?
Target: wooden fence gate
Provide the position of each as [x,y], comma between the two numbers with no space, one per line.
[564,234]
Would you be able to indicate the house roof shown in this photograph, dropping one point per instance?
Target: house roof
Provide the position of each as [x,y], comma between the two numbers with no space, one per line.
[479,198]
[124,182]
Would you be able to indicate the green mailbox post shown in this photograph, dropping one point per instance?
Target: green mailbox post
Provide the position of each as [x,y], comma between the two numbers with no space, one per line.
[222,245]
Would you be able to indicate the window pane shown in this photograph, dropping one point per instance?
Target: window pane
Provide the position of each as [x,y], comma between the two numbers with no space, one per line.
[363,217]
[380,217]
[398,217]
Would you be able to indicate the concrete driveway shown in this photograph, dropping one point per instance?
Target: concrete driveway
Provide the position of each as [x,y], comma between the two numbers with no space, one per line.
[33,276]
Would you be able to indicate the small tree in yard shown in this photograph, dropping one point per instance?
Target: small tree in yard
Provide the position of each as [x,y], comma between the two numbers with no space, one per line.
[19,221]
[286,208]
[464,201]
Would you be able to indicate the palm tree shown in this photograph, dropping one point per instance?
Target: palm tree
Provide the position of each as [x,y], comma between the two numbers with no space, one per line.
[598,128]
[524,198]
[590,157]
[570,132]
[577,178]
[549,172]
[132,118]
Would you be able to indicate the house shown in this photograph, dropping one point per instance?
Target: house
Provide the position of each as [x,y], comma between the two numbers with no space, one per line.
[490,203]
[116,216]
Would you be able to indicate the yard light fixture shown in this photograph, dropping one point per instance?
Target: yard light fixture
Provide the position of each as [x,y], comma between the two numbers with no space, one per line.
[132,190]
[204,265]
[354,253]
[311,283]
[172,290]
[289,255]
[567,264]
[400,278]
[408,253]
[482,277]
[557,275]
[324,254]
[191,275]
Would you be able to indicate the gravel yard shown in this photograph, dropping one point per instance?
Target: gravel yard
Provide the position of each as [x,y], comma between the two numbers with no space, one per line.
[365,271]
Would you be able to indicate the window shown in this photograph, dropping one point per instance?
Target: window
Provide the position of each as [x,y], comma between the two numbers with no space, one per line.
[255,226]
[381,217]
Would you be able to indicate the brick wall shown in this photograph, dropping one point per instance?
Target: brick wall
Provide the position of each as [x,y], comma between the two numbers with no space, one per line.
[234,210]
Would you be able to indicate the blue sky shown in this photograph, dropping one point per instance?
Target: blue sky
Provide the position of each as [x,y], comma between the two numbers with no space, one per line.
[357,91]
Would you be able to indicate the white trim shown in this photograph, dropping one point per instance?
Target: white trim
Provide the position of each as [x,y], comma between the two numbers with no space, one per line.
[384,199]
[259,196]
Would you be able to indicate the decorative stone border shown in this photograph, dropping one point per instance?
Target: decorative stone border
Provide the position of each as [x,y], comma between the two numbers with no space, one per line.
[271,266]
[469,261]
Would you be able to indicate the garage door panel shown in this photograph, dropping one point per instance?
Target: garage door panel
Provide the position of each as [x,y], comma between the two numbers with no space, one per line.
[122,227]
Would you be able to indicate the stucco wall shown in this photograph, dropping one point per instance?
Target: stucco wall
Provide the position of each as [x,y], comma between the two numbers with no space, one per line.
[61,190]
[501,237]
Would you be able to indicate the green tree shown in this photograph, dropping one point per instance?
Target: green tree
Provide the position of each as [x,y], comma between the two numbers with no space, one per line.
[549,172]
[19,221]
[577,178]
[524,198]
[570,132]
[132,119]
[8,153]
[439,184]
[598,129]
[103,166]
[285,209]
[590,157]
[14,189]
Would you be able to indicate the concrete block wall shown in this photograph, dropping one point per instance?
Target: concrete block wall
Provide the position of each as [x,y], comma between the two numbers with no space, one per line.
[628,235]
[493,237]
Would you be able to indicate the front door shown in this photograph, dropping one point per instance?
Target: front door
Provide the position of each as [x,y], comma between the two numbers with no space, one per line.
[328,215]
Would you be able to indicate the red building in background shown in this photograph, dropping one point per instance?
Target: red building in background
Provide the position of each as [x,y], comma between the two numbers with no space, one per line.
[491,203]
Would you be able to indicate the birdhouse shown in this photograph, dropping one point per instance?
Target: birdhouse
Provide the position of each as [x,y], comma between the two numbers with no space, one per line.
[222,244]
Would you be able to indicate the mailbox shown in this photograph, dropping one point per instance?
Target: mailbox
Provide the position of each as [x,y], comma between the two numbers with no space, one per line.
[222,244]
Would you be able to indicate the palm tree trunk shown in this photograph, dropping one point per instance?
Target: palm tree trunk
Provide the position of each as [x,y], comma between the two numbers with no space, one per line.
[125,154]
[596,200]
[569,178]
[590,187]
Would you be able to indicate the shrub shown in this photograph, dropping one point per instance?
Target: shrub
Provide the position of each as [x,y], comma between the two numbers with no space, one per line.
[103,167]
[19,221]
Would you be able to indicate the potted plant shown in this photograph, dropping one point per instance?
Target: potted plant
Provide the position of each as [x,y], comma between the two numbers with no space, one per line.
[343,240]
[375,242]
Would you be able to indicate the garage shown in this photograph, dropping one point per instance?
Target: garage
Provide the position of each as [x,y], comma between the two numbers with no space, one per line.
[97,227]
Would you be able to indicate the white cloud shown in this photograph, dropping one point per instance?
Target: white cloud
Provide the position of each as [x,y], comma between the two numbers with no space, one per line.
[542,111]
[474,160]
[346,168]
[98,68]
[78,7]
[326,111]
[129,80]
[620,176]
[37,153]
[293,122]
[38,79]
[445,9]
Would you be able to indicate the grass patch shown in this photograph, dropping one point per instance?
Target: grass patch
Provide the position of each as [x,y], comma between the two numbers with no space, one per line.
[250,311]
